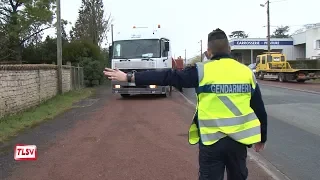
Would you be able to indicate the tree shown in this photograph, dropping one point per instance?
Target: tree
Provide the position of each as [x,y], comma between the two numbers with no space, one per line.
[91,24]
[23,22]
[281,32]
[64,36]
[77,49]
[238,34]
[92,70]
[49,50]
[195,60]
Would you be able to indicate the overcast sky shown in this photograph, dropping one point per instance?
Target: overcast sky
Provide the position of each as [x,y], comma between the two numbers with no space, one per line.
[188,21]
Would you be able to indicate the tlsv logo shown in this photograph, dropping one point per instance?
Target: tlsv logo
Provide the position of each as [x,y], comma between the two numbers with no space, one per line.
[24,152]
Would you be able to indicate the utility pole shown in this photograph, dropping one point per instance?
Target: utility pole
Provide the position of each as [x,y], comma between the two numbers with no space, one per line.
[59,47]
[201,50]
[268,24]
[185,56]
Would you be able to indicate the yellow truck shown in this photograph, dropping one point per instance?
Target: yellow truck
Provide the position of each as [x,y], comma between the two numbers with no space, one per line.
[274,66]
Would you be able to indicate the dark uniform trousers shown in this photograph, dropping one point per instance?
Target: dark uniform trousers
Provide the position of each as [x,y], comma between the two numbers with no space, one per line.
[224,154]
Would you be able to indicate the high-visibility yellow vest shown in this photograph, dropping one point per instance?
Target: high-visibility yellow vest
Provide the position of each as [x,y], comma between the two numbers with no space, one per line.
[223,106]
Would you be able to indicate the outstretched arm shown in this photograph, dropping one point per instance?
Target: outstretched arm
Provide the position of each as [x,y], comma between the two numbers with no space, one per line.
[187,78]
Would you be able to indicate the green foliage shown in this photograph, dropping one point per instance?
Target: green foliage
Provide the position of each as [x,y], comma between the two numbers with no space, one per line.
[91,24]
[281,32]
[195,60]
[23,22]
[75,50]
[238,34]
[44,52]
[92,71]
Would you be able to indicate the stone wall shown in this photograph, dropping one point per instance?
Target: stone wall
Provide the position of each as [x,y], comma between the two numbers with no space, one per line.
[25,86]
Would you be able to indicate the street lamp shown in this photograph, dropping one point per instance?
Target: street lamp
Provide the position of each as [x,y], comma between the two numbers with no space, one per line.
[268,22]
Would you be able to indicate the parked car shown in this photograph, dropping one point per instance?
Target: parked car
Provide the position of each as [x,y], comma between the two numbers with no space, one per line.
[252,67]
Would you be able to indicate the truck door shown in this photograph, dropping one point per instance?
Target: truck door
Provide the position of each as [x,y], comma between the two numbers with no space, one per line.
[263,64]
[165,54]
[258,62]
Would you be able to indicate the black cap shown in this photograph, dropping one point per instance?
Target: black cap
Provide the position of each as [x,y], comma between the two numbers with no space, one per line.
[217,34]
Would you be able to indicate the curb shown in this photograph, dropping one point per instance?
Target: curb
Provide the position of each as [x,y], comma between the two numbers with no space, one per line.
[267,166]
[264,164]
[293,89]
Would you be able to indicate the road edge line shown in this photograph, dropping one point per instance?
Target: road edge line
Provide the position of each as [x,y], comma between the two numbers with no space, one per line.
[293,89]
[264,164]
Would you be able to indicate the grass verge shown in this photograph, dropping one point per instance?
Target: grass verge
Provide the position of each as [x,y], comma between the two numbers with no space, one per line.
[11,125]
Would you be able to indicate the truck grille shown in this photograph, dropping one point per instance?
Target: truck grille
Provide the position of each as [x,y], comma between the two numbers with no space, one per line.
[135,65]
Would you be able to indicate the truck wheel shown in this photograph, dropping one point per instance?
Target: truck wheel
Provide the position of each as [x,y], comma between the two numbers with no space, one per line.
[282,78]
[301,80]
[125,95]
[163,95]
[261,76]
[170,91]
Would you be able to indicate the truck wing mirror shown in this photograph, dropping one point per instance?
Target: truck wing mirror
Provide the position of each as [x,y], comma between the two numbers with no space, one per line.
[166,46]
[110,52]
[110,55]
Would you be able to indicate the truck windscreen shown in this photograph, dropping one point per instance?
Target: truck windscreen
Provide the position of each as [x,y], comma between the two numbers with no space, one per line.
[138,48]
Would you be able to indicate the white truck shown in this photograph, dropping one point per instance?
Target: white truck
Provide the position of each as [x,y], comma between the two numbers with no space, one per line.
[140,49]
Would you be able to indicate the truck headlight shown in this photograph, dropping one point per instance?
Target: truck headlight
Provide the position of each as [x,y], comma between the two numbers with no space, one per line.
[117,86]
[152,86]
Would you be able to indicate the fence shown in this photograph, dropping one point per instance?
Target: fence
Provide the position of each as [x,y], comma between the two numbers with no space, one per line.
[77,77]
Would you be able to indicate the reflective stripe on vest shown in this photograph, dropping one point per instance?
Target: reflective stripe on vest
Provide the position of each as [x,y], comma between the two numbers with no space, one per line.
[229,119]
[238,136]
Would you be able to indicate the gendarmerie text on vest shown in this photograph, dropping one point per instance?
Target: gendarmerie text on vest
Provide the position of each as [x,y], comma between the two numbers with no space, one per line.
[230,88]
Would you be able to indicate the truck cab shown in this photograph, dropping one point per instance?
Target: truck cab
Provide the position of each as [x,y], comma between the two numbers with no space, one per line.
[140,49]
[272,60]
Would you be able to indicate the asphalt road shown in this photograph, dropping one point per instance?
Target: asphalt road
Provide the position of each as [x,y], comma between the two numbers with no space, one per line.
[101,138]
[293,145]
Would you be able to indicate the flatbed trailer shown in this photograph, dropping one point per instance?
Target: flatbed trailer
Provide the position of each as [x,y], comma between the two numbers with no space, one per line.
[274,66]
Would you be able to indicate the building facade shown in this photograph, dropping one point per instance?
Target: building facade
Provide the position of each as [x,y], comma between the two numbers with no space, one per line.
[301,45]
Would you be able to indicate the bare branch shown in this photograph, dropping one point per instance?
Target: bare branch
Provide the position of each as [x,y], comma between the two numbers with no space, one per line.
[5,9]
[11,3]
[33,34]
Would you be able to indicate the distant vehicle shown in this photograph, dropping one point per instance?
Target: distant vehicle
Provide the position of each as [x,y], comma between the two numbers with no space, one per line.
[178,63]
[275,66]
[253,67]
[140,49]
